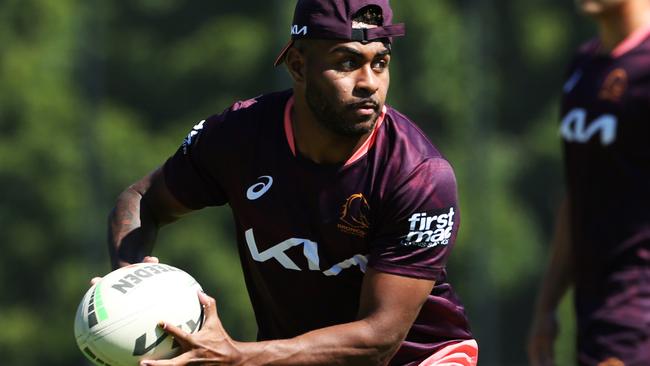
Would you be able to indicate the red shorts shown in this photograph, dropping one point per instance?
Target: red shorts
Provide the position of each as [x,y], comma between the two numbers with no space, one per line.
[464,353]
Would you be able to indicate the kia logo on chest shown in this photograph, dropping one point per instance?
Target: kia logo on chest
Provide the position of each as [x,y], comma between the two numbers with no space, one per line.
[576,128]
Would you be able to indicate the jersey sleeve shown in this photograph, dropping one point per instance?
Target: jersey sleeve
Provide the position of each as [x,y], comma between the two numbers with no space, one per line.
[192,173]
[419,223]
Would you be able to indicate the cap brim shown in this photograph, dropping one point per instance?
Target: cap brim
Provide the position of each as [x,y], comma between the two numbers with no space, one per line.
[283,53]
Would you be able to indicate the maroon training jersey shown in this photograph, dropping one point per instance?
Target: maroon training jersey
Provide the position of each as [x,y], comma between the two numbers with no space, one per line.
[606,131]
[307,232]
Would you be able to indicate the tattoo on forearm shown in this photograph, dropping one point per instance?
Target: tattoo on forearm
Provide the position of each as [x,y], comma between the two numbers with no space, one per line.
[130,238]
[125,216]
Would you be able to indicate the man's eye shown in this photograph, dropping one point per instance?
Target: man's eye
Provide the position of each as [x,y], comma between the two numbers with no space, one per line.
[348,65]
[380,65]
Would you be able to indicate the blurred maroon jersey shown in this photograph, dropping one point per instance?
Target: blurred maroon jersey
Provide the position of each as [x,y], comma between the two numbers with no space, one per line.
[606,130]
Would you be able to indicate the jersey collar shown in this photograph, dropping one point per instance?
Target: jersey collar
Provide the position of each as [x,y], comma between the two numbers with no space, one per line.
[631,41]
[358,154]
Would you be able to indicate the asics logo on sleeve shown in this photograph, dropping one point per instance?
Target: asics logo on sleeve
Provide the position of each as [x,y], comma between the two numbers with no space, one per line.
[257,190]
[428,231]
[575,128]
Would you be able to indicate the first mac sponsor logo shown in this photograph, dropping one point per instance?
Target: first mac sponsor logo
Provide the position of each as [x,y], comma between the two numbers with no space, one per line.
[430,229]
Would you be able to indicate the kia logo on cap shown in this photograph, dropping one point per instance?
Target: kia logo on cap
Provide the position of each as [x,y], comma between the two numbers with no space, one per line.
[295,30]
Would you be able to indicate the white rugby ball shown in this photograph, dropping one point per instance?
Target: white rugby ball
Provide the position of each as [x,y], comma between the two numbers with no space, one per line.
[117,320]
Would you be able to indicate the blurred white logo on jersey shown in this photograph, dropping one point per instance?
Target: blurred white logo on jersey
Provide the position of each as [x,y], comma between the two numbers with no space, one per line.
[309,250]
[257,190]
[190,136]
[575,129]
[573,80]
[424,234]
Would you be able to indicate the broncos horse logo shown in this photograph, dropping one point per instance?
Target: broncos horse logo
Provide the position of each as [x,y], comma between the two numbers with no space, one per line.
[354,215]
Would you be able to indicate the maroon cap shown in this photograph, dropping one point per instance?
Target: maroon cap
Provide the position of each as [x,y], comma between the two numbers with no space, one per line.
[332,19]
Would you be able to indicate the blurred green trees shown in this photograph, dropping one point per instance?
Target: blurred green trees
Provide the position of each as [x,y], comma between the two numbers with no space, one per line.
[94,94]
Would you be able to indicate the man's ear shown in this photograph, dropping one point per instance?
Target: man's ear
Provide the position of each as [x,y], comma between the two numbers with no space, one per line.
[295,62]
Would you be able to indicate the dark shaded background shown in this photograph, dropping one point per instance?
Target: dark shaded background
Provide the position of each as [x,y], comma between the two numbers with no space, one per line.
[94,94]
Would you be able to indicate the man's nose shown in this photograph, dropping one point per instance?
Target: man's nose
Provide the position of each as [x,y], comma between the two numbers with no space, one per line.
[367,80]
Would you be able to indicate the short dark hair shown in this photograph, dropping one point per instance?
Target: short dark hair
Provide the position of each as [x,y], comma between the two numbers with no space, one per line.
[370,15]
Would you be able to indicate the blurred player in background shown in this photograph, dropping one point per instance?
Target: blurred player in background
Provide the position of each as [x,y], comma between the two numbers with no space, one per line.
[345,213]
[601,245]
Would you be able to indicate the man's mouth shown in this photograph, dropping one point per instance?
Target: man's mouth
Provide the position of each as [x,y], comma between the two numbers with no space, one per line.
[365,107]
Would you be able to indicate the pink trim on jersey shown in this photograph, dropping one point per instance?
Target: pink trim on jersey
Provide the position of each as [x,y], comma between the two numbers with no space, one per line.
[631,41]
[464,353]
[361,151]
[370,141]
[288,128]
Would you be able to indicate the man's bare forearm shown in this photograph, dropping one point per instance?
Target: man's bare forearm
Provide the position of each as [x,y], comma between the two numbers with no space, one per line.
[132,231]
[357,343]
[138,214]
